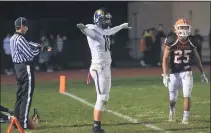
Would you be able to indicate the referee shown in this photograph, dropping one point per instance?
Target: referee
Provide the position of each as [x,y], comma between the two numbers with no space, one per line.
[23,53]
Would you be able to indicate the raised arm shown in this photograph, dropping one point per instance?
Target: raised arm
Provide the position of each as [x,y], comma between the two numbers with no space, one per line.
[116,29]
[87,31]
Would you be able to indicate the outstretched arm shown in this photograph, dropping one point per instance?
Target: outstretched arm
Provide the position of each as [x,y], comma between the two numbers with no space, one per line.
[116,29]
[86,31]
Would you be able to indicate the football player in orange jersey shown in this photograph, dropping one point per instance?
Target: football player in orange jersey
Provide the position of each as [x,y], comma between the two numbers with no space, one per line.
[177,60]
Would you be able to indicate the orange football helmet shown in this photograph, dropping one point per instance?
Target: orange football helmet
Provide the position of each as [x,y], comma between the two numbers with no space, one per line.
[182,27]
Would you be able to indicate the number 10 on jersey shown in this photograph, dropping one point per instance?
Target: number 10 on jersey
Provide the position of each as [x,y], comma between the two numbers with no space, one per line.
[107,43]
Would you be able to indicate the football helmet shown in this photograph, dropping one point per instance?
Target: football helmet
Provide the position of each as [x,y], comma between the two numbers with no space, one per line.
[102,18]
[182,28]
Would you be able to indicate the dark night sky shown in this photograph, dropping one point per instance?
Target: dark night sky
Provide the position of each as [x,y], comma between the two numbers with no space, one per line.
[42,17]
[73,11]
[58,8]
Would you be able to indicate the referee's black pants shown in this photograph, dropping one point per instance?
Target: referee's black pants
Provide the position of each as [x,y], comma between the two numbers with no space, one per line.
[25,80]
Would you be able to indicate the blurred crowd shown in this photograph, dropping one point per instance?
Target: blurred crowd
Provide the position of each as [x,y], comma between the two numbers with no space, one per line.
[46,61]
[152,44]
[151,47]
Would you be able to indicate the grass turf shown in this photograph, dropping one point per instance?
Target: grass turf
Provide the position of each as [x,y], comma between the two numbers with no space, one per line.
[142,98]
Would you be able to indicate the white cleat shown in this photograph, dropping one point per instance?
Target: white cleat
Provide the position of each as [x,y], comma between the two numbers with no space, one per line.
[184,121]
[171,117]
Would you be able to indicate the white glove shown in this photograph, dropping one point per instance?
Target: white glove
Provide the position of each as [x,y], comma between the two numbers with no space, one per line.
[166,80]
[81,26]
[204,78]
[125,26]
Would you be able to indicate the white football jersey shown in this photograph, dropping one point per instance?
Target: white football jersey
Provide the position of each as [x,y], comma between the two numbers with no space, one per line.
[99,46]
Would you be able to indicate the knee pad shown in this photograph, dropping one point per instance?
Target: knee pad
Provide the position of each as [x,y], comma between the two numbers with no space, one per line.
[173,95]
[101,101]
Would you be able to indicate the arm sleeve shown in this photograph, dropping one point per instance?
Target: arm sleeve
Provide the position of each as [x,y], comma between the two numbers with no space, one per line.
[89,32]
[34,44]
[25,48]
[112,30]
[193,42]
[169,41]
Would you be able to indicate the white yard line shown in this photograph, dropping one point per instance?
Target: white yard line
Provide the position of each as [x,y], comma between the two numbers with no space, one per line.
[128,118]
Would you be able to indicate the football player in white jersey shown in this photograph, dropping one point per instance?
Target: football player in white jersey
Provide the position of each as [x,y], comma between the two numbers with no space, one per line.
[100,69]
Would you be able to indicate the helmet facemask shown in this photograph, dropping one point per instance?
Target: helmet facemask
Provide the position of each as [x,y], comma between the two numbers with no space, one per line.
[102,19]
[183,31]
[106,21]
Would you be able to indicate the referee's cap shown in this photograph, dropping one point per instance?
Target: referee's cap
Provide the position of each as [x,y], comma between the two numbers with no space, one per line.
[21,21]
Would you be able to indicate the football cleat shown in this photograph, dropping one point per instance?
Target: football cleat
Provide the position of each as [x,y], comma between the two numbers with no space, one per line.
[184,121]
[97,130]
[171,117]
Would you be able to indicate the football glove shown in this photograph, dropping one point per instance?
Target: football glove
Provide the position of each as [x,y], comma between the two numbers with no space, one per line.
[204,78]
[125,26]
[81,26]
[166,80]
[46,48]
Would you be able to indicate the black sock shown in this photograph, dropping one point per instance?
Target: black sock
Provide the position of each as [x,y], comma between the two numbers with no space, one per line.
[97,124]
[172,105]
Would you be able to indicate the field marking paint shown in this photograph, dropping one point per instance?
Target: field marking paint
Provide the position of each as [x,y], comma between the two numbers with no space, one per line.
[128,118]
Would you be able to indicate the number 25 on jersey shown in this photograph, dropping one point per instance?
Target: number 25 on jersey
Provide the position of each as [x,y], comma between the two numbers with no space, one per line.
[180,53]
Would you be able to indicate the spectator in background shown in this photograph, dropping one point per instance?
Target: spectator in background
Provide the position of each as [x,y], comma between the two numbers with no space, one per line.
[44,55]
[148,43]
[159,35]
[210,40]
[113,63]
[65,52]
[52,43]
[143,49]
[8,60]
[198,39]
[171,33]
[152,32]
[59,50]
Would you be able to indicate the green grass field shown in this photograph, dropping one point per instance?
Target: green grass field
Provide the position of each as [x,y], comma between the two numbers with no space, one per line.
[144,99]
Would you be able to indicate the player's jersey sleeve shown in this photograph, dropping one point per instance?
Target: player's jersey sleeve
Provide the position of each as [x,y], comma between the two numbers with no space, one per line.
[90,31]
[169,41]
[113,30]
[193,42]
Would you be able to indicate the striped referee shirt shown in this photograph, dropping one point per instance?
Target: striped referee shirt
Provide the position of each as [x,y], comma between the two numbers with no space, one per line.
[23,51]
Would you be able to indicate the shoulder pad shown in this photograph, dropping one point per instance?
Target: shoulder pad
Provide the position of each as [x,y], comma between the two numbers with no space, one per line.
[193,41]
[91,26]
[170,40]
[95,28]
